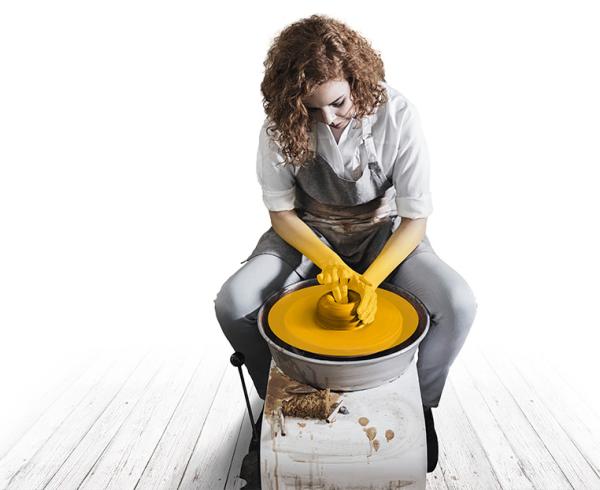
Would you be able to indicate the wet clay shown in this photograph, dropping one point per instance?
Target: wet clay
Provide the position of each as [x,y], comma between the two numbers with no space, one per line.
[371,433]
[338,316]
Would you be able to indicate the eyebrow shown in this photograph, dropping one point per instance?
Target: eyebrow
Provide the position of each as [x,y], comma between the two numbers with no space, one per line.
[336,100]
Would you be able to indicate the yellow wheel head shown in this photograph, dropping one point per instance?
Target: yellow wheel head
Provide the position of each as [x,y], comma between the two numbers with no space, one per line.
[293,319]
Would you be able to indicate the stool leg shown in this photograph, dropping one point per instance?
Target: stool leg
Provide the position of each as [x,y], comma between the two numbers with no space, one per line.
[237,359]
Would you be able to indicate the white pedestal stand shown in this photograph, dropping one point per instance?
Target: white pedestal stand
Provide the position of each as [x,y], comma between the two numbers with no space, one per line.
[389,451]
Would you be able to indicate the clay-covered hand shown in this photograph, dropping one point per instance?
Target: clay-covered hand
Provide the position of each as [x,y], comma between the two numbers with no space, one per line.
[336,276]
[368,298]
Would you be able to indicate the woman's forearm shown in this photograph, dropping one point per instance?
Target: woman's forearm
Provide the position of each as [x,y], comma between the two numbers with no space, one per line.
[402,242]
[299,235]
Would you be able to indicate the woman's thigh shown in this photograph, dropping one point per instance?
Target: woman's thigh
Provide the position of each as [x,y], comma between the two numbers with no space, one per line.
[245,291]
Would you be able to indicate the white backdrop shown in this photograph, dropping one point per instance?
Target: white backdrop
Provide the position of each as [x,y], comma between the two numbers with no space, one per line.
[128,135]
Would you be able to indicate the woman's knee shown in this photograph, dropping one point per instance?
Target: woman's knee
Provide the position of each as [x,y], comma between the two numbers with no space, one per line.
[247,289]
[462,303]
[229,299]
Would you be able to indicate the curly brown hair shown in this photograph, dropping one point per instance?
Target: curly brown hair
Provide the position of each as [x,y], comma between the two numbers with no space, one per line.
[304,55]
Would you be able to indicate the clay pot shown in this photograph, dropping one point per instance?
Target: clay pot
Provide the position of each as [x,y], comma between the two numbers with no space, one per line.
[338,316]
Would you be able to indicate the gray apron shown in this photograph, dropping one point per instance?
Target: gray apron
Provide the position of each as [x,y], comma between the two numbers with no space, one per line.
[355,218]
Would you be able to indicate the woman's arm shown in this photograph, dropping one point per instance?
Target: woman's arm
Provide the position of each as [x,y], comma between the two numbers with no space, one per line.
[402,242]
[334,271]
[299,235]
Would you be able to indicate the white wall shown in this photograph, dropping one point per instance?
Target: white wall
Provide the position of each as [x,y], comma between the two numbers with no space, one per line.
[128,133]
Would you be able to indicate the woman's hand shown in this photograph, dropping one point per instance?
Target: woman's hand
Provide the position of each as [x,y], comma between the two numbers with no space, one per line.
[339,278]
[336,277]
[368,298]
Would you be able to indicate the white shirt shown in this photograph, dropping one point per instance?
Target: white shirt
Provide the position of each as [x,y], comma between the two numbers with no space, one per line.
[401,149]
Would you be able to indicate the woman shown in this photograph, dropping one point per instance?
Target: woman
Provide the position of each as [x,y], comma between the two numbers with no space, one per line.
[344,171]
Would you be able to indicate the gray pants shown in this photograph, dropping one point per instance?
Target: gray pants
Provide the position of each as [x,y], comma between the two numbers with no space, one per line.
[445,294]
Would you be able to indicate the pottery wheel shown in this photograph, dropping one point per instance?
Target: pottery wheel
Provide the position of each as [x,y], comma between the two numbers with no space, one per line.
[294,320]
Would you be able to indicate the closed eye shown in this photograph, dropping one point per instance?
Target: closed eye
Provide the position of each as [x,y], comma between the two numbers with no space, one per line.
[333,104]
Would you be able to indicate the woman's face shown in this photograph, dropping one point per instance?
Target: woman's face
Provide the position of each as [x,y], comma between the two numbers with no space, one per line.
[330,103]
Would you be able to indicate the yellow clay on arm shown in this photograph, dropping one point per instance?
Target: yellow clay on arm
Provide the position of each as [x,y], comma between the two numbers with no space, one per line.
[402,242]
[335,273]
[299,235]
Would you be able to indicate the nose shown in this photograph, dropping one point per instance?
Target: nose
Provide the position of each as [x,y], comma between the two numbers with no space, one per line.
[328,115]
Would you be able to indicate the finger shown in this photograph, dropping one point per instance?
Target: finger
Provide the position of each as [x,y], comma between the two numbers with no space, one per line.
[337,294]
[335,276]
[345,276]
[375,307]
[364,301]
[367,316]
[344,290]
[320,277]
[360,307]
[342,274]
[366,297]
[371,307]
[366,320]
[373,300]
[372,313]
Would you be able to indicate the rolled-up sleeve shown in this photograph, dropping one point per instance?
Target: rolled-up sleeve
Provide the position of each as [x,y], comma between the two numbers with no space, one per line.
[412,168]
[277,181]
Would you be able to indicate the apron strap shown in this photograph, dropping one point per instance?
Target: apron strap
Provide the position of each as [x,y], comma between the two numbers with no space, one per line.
[312,139]
[367,140]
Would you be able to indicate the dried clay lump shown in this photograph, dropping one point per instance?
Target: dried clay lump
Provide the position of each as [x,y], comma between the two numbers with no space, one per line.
[317,405]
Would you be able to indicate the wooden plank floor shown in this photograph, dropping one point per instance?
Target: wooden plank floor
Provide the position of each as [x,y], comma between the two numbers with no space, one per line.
[157,421]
